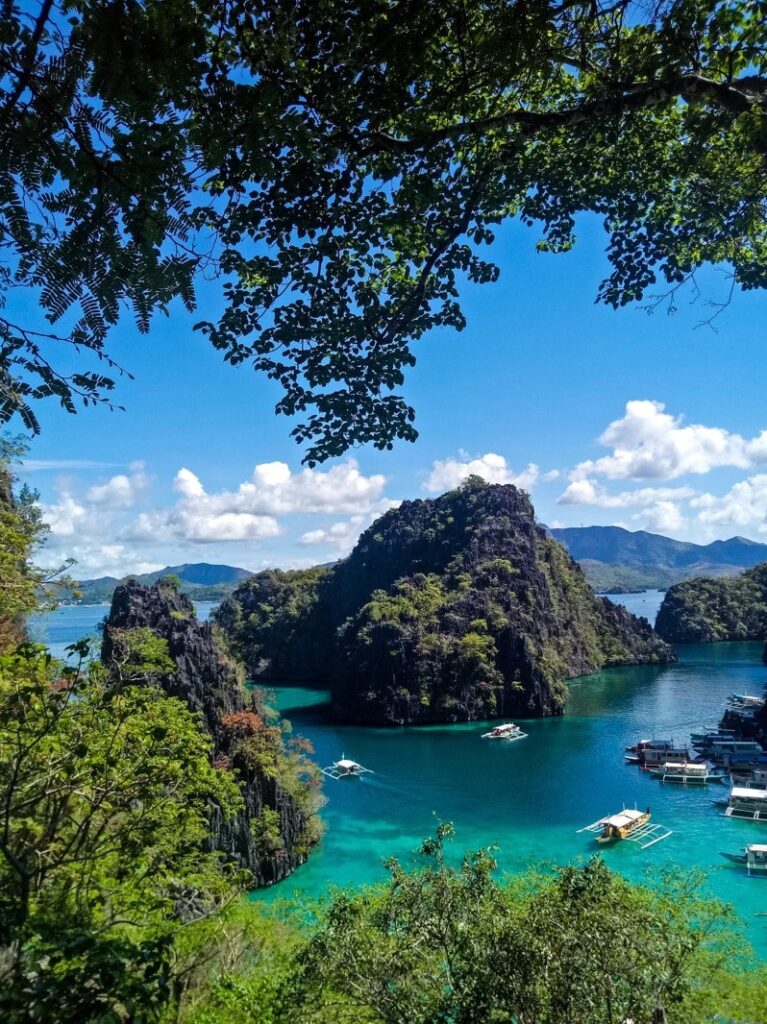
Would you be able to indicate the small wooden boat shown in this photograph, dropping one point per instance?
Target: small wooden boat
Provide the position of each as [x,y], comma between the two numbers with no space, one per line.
[753,858]
[507,731]
[632,825]
[620,826]
[345,768]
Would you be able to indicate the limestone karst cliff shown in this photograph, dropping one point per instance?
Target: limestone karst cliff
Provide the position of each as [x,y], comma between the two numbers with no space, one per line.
[280,788]
[450,609]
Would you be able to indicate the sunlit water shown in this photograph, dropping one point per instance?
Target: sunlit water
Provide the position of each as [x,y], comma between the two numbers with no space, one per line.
[529,797]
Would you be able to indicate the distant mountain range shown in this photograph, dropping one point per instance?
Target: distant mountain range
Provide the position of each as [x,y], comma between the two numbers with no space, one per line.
[200,580]
[617,560]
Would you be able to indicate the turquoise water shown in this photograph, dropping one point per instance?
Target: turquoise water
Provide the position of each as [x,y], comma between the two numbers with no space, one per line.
[530,797]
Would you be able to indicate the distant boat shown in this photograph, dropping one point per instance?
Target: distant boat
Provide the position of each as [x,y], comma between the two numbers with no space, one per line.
[687,773]
[754,857]
[705,739]
[508,731]
[345,768]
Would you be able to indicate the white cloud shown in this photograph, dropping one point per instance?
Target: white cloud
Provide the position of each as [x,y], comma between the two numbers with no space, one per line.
[447,474]
[65,517]
[121,491]
[274,490]
[188,484]
[251,511]
[344,535]
[589,492]
[743,507]
[662,517]
[650,444]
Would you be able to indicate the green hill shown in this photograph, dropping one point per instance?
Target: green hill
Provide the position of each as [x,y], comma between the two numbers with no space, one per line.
[201,581]
[617,560]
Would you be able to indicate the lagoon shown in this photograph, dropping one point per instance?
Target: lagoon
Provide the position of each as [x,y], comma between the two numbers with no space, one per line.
[529,797]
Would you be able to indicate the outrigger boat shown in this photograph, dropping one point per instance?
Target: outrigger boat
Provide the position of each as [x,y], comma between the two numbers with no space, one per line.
[631,825]
[747,803]
[753,778]
[688,773]
[345,768]
[727,752]
[754,857]
[508,731]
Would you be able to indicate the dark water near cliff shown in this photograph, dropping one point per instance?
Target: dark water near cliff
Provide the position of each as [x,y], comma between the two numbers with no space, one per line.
[530,797]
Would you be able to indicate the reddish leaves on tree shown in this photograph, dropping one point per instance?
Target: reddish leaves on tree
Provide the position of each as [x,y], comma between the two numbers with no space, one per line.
[242,723]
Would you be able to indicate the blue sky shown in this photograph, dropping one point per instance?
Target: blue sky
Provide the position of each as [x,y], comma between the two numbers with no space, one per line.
[523,395]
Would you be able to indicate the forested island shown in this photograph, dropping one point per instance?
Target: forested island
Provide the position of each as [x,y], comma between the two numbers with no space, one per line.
[447,610]
[705,610]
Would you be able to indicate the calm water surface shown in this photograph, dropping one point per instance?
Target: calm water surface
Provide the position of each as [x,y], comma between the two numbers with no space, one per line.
[529,797]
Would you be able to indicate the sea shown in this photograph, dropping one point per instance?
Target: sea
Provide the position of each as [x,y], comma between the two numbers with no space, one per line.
[527,798]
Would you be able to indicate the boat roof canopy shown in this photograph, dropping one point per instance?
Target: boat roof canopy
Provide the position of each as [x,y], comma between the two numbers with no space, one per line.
[757,848]
[742,792]
[624,818]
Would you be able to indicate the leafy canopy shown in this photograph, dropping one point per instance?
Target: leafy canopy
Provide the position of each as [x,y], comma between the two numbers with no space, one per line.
[342,165]
[105,786]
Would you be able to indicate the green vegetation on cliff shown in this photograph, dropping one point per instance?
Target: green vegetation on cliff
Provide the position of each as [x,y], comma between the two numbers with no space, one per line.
[705,610]
[449,609]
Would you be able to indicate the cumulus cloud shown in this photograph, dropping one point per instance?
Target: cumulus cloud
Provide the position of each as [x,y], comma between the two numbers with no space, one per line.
[662,517]
[743,507]
[120,491]
[447,474]
[589,492]
[251,511]
[650,444]
[344,535]
[273,490]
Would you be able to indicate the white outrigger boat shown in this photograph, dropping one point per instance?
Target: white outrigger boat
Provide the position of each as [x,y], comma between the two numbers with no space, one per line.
[631,825]
[747,803]
[345,768]
[687,773]
[508,731]
[754,858]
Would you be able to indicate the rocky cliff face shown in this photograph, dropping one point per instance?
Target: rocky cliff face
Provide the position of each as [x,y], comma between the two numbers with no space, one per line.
[705,610]
[272,836]
[447,610]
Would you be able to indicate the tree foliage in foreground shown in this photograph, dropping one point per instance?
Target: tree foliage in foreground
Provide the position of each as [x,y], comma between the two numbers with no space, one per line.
[343,165]
[581,947]
[105,786]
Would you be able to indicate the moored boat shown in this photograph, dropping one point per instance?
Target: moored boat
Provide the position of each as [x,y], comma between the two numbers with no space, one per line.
[753,778]
[620,826]
[753,858]
[727,751]
[687,773]
[507,731]
[747,803]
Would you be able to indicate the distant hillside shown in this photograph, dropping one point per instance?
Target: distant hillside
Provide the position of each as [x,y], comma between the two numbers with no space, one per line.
[201,581]
[616,560]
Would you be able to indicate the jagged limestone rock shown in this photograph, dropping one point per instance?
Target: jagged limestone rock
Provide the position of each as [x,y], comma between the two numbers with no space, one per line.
[447,610]
[273,834]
